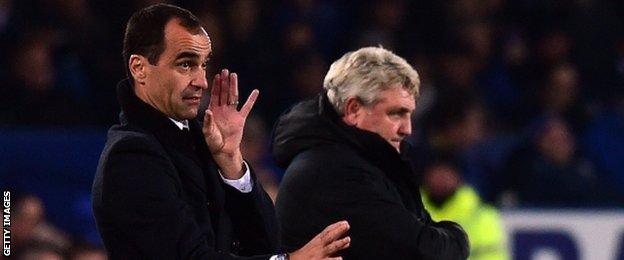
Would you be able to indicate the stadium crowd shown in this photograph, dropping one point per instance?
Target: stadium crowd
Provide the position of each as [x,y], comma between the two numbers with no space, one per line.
[525,99]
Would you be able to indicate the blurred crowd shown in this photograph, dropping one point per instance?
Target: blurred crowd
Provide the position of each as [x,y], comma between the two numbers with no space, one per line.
[33,237]
[525,97]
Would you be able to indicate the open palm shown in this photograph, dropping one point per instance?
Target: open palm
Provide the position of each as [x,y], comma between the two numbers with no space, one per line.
[223,122]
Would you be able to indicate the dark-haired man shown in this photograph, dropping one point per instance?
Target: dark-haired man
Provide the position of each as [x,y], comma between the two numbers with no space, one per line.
[168,186]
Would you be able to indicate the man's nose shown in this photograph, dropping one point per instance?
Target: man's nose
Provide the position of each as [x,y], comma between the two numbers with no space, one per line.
[406,127]
[200,80]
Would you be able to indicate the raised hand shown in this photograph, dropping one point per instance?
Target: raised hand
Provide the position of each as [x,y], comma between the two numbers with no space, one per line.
[224,123]
[325,244]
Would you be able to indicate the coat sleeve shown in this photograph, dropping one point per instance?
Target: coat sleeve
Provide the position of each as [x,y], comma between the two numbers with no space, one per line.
[253,218]
[373,213]
[140,208]
[381,227]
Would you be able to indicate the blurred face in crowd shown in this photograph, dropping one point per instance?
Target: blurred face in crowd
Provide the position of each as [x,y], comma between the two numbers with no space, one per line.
[90,255]
[470,130]
[307,74]
[28,215]
[555,47]
[174,85]
[563,89]
[42,255]
[441,180]
[557,142]
[33,63]
[390,116]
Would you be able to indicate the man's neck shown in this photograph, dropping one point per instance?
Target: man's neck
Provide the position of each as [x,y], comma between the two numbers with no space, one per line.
[140,93]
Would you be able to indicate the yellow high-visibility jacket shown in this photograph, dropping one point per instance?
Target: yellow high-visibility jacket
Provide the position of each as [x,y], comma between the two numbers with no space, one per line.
[482,223]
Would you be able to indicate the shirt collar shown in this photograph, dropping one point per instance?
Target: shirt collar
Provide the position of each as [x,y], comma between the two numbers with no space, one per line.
[184,124]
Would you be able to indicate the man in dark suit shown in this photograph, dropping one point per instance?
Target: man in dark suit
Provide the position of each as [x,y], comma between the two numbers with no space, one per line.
[346,159]
[168,186]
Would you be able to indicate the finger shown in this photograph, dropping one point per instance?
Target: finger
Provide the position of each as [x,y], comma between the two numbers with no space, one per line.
[207,122]
[214,92]
[338,245]
[233,90]
[334,231]
[251,100]
[225,87]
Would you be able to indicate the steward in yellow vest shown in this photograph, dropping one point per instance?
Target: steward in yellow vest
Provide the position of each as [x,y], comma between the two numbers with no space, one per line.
[446,197]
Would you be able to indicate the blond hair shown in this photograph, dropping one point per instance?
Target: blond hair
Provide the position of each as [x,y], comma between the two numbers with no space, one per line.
[365,73]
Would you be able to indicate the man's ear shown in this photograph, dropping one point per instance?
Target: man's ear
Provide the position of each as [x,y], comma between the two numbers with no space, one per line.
[352,111]
[138,67]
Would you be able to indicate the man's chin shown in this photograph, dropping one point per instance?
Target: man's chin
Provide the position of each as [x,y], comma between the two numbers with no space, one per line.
[191,114]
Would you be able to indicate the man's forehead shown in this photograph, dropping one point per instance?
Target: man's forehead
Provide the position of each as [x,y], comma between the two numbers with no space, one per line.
[399,97]
[183,39]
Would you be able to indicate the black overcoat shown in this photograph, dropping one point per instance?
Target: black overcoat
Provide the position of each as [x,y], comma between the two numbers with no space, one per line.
[337,172]
[157,194]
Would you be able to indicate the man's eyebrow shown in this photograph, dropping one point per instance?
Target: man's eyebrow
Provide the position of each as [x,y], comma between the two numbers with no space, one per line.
[187,54]
[400,110]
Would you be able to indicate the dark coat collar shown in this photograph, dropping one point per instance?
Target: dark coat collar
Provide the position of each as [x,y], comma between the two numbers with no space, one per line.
[379,152]
[373,146]
[315,123]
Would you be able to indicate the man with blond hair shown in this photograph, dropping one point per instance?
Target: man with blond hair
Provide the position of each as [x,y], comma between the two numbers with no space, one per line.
[345,159]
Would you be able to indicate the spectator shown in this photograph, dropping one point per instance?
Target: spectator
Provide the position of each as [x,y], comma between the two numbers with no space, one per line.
[561,96]
[29,227]
[457,123]
[385,22]
[504,82]
[87,252]
[326,18]
[551,171]
[35,98]
[447,197]
[40,251]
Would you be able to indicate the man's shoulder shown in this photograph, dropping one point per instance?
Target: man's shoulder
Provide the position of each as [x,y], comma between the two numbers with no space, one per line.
[130,137]
[331,155]
[334,162]
[127,144]
[129,155]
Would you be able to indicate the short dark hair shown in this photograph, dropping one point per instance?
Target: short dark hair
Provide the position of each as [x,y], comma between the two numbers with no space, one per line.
[145,31]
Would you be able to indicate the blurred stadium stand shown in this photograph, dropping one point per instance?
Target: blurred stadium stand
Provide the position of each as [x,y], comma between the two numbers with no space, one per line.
[58,167]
